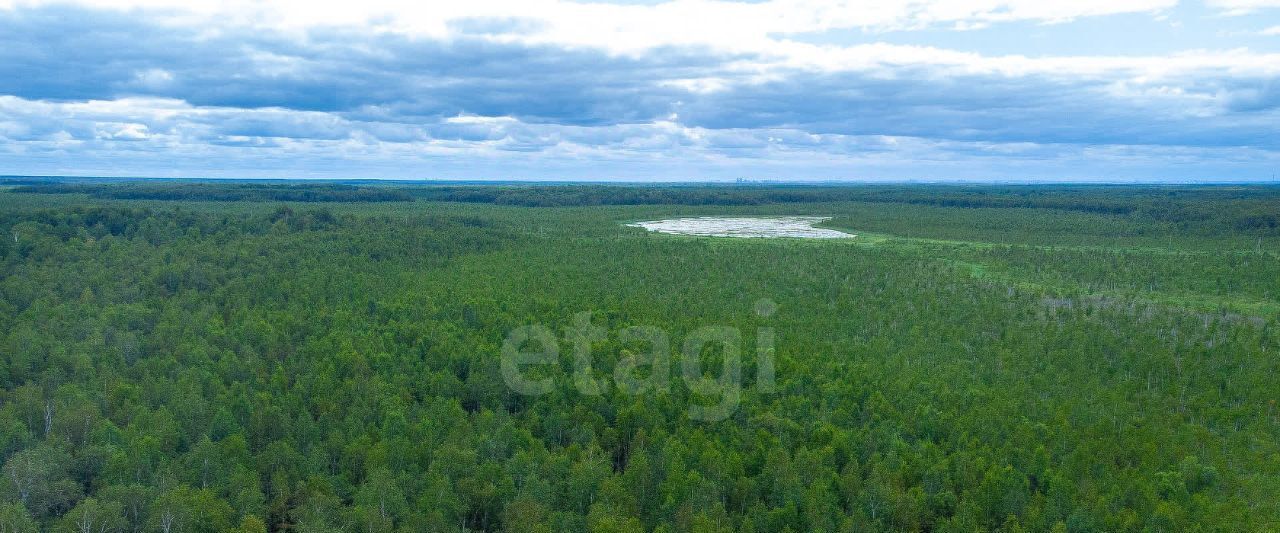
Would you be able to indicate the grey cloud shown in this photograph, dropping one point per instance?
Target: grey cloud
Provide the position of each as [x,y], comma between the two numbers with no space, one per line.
[253,89]
[74,54]
[1039,109]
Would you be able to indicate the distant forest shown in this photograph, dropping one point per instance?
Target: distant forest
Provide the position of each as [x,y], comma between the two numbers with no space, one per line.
[233,357]
[1252,208]
[230,192]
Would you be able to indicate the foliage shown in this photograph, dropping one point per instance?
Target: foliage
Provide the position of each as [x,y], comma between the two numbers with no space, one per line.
[250,366]
[226,192]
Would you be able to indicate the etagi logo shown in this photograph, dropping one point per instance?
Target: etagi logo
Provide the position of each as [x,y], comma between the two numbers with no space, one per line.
[536,345]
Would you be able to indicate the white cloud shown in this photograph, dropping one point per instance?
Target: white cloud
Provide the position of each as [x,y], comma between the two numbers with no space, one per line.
[628,27]
[123,131]
[884,56]
[1274,30]
[589,82]
[1243,7]
[172,130]
[761,29]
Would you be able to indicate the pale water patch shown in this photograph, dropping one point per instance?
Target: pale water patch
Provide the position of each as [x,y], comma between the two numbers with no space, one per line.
[762,227]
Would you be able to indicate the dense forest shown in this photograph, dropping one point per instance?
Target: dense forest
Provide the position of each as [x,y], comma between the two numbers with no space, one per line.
[204,357]
[1250,209]
[221,192]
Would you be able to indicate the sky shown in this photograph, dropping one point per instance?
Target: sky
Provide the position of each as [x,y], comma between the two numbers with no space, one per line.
[682,90]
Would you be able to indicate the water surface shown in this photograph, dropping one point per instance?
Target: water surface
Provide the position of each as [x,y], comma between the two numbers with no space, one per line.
[759,227]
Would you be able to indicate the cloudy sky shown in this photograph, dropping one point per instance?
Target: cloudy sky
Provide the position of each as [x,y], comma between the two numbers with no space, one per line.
[1105,90]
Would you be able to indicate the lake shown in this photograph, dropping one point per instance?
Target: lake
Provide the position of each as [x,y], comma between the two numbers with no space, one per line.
[754,227]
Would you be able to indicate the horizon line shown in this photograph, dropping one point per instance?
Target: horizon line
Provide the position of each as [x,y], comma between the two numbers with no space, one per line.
[740,182]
